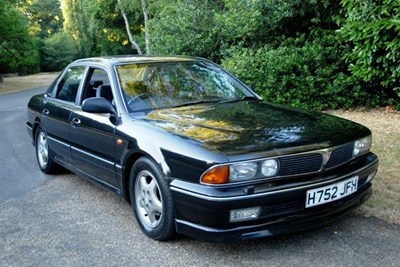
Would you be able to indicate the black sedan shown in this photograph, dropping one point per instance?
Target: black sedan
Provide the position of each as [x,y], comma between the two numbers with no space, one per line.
[196,152]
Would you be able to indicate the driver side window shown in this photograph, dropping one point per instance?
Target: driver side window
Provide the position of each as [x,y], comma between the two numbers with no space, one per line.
[68,87]
[98,84]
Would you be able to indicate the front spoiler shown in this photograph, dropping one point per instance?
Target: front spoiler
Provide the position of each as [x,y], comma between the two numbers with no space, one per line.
[273,227]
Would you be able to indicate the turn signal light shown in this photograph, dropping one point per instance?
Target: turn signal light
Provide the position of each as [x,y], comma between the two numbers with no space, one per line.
[217,175]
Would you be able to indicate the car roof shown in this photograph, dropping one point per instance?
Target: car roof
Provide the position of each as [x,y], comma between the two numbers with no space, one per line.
[126,59]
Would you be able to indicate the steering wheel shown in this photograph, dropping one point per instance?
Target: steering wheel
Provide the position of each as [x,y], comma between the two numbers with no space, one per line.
[144,101]
[137,98]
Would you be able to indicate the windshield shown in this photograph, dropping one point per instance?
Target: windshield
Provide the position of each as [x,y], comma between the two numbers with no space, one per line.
[167,85]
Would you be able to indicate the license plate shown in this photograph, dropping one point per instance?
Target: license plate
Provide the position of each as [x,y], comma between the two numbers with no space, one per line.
[329,193]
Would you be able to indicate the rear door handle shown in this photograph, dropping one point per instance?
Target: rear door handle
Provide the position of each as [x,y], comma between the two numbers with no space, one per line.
[76,121]
[45,112]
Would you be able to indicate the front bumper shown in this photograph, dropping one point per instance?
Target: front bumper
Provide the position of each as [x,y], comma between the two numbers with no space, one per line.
[202,211]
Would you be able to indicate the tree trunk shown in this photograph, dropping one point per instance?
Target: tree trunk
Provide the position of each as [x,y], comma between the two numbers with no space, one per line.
[134,44]
[146,28]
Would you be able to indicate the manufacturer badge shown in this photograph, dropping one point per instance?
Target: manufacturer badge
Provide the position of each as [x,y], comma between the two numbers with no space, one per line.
[325,158]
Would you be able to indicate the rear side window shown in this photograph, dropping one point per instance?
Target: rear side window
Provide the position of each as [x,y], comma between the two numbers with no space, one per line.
[68,86]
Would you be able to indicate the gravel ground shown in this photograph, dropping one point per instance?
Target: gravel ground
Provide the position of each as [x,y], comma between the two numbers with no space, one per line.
[71,222]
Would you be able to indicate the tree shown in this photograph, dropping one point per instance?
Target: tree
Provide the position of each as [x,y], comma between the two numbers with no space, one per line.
[45,17]
[58,51]
[128,30]
[290,53]
[132,7]
[372,28]
[146,26]
[79,21]
[18,50]
[184,27]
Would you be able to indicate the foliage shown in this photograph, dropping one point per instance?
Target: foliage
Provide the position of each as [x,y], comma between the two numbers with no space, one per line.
[58,51]
[109,30]
[307,76]
[293,56]
[210,28]
[184,27]
[18,50]
[314,53]
[45,17]
[373,30]
[80,23]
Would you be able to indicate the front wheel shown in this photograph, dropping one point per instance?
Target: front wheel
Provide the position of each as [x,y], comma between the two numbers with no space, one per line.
[151,200]
[43,153]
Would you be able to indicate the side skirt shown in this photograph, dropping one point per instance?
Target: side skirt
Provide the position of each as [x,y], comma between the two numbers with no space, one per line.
[89,177]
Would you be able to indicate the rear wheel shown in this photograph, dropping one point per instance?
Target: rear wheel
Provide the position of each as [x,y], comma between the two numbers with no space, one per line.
[43,153]
[151,200]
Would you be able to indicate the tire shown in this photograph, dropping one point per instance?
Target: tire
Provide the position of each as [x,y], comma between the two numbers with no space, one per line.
[44,155]
[151,200]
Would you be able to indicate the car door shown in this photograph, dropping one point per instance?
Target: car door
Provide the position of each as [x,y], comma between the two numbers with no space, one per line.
[92,134]
[57,109]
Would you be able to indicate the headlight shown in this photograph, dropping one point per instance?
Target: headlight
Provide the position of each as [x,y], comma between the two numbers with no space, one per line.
[362,145]
[269,167]
[242,171]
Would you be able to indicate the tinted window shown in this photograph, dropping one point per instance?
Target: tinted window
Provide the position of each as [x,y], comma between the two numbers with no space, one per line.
[98,79]
[50,90]
[68,86]
[166,85]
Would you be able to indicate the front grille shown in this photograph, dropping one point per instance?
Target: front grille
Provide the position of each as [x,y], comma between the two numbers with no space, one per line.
[312,162]
[300,164]
[276,210]
[340,155]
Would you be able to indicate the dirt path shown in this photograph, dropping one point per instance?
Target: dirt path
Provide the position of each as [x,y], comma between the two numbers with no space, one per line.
[21,83]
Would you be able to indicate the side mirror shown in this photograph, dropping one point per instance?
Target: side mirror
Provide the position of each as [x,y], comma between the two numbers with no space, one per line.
[98,105]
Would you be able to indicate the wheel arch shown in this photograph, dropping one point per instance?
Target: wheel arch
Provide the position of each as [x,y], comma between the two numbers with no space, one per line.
[36,125]
[132,153]
[143,199]
[130,161]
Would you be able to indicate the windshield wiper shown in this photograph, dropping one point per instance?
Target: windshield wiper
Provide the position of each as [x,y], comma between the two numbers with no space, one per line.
[195,103]
[214,101]
[247,97]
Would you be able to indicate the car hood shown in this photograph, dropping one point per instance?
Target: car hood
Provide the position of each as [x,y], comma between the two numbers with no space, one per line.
[255,127]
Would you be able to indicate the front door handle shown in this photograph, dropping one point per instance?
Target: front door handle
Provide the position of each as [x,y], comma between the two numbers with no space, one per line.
[76,122]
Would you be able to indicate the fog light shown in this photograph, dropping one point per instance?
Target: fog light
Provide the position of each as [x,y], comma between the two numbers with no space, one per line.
[369,178]
[244,214]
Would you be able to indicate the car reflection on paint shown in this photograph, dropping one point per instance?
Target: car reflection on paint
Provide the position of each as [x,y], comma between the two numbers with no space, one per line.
[197,152]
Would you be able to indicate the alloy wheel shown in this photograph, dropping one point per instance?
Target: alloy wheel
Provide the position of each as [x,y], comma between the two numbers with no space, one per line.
[42,150]
[148,199]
